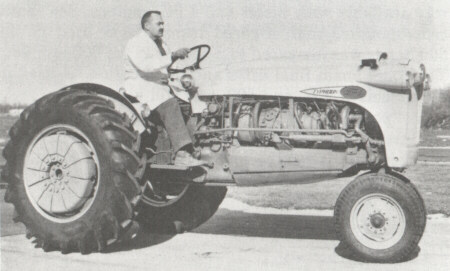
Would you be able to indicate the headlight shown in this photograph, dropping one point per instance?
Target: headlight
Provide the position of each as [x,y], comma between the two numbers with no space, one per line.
[419,78]
[187,81]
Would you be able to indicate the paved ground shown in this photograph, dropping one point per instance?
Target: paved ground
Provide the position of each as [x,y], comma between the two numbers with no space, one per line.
[238,237]
[434,154]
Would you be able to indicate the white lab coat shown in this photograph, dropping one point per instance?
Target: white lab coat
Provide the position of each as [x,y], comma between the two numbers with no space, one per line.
[145,67]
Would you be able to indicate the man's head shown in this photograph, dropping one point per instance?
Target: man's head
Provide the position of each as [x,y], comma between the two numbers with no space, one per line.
[153,24]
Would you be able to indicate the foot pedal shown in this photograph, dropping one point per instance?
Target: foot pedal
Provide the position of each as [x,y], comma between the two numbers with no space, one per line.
[169,167]
[130,231]
[178,167]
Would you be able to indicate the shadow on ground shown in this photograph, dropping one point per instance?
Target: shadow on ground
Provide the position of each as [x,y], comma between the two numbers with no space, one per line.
[142,240]
[343,251]
[224,222]
[238,223]
[269,225]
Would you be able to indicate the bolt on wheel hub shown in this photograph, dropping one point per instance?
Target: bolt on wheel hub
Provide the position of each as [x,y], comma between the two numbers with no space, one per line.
[377,220]
[56,173]
[61,173]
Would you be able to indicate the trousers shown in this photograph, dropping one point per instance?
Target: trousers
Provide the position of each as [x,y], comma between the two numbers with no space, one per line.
[169,113]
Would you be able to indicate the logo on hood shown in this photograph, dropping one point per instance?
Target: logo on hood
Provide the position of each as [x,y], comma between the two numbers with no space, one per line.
[350,92]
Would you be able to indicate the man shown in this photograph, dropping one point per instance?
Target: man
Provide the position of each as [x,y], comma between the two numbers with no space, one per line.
[146,60]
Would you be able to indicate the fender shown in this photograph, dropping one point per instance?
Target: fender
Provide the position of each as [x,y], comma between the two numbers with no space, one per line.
[121,104]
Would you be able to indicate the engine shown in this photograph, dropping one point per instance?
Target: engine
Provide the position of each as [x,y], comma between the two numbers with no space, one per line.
[289,123]
[295,116]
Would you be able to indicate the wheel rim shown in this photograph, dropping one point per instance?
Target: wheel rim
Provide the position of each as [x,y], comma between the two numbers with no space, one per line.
[377,221]
[61,173]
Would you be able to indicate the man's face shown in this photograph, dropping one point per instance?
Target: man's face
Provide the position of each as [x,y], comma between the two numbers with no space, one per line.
[155,25]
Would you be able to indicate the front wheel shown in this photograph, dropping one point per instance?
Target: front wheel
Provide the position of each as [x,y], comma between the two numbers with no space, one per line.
[380,218]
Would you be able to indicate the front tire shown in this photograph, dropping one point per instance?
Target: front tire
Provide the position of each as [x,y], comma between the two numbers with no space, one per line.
[70,163]
[380,218]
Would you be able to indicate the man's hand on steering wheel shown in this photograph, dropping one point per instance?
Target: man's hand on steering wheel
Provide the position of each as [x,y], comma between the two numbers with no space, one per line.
[180,54]
[202,53]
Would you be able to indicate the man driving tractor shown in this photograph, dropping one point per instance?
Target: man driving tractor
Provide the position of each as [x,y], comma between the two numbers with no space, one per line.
[147,57]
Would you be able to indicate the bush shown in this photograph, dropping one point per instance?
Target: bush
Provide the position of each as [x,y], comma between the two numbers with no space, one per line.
[437,115]
[4,107]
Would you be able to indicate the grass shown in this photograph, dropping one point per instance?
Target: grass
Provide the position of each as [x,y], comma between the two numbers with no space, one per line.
[6,122]
[429,137]
[5,107]
[433,184]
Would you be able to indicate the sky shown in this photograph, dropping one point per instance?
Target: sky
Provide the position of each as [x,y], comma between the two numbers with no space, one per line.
[48,44]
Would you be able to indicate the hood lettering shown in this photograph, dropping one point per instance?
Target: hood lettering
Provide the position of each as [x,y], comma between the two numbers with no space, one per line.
[325,91]
[328,92]
[349,92]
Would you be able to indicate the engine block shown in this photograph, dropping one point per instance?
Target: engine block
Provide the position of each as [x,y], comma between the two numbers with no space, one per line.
[291,123]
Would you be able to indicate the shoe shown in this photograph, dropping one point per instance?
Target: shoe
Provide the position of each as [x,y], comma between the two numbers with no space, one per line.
[183,158]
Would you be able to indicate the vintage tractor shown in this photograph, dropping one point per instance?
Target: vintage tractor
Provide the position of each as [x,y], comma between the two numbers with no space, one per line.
[86,167]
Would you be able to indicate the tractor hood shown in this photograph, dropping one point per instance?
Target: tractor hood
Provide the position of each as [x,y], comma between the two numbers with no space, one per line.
[287,76]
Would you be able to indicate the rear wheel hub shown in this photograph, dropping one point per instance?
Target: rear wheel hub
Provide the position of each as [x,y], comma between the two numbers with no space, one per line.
[61,173]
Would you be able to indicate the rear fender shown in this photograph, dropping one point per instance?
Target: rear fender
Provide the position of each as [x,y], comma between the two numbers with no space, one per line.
[121,104]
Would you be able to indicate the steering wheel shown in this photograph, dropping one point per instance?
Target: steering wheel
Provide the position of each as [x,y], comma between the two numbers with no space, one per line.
[194,66]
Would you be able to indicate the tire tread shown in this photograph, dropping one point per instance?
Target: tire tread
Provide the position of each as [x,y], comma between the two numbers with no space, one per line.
[101,111]
[344,202]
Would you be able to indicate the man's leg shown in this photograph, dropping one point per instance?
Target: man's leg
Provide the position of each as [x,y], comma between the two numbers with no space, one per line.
[170,114]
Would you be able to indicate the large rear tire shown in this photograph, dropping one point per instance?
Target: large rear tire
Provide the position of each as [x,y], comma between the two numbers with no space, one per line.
[170,205]
[184,208]
[70,167]
[380,218]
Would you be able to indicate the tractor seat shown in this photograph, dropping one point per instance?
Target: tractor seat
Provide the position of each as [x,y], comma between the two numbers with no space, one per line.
[132,99]
[143,109]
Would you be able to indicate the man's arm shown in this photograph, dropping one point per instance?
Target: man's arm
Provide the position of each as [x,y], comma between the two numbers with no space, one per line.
[143,59]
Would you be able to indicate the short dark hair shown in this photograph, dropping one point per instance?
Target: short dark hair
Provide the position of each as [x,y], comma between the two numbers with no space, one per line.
[147,15]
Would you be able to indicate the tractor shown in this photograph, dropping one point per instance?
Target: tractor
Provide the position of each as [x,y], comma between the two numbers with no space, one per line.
[87,168]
